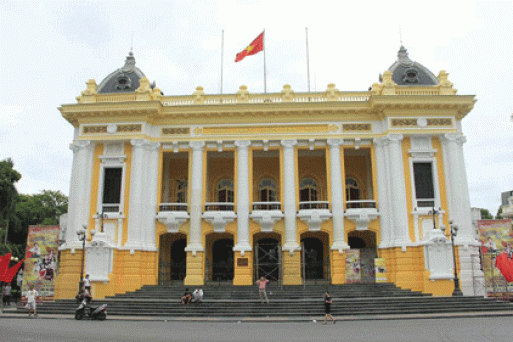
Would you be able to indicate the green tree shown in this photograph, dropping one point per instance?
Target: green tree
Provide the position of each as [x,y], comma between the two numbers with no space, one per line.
[8,196]
[499,214]
[485,215]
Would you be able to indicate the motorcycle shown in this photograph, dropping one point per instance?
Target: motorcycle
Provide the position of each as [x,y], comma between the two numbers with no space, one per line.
[91,312]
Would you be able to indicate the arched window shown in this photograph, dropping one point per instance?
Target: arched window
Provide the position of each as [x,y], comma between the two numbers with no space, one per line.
[352,189]
[307,190]
[181,191]
[267,191]
[225,191]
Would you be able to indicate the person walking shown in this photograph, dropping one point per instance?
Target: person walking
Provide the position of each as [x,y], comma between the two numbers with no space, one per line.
[7,294]
[327,308]
[87,283]
[262,282]
[31,300]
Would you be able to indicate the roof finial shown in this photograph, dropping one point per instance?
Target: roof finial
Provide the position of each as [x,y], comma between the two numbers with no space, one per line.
[400,36]
[132,43]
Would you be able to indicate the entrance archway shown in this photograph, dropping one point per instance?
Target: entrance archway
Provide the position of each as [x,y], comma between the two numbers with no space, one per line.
[315,257]
[172,258]
[219,259]
[365,241]
[267,256]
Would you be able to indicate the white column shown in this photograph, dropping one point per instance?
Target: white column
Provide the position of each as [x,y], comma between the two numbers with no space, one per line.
[80,190]
[383,192]
[289,195]
[457,188]
[136,202]
[242,197]
[398,191]
[337,199]
[196,205]
[151,193]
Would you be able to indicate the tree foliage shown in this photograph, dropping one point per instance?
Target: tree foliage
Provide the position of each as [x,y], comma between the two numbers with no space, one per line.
[19,211]
[485,214]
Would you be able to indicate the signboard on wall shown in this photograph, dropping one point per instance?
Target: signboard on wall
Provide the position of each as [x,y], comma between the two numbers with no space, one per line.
[496,237]
[380,270]
[41,260]
[353,269]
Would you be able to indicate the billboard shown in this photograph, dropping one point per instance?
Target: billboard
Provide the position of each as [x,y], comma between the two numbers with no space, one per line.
[41,260]
[496,237]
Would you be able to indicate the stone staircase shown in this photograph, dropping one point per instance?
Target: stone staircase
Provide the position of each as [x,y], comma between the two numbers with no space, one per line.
[297,301]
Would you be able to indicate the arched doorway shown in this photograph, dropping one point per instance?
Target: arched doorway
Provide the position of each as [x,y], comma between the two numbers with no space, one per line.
[312,263]
[222,257]
[315,266]
[219,257]
[267,256]
[365,241]
[172,258]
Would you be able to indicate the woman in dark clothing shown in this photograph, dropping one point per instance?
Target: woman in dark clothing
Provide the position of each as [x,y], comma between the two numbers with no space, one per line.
[187,297]
[327,308]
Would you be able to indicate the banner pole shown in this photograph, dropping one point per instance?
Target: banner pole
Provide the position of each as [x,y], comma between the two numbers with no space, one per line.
[265,71]
[222,56]
[307,59]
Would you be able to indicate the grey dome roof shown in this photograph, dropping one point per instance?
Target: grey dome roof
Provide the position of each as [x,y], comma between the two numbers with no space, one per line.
[123,80]
[406,72]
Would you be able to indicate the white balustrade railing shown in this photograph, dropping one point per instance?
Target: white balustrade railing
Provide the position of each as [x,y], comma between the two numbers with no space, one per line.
[313,205]
[173,207]
[266,206]
[219,206]
[361,204]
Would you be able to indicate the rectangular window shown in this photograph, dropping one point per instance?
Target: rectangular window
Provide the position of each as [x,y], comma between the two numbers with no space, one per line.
[424,184]
[112,189]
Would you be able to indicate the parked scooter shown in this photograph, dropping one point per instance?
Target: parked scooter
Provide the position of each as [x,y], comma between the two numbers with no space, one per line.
[91,312]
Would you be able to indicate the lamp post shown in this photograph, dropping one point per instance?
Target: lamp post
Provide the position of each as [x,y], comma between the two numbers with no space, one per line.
[454,232]
[435,212]
[101,216]
[82,236]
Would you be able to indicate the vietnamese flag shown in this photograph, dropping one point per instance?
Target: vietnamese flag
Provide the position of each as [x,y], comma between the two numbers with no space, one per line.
[256,46]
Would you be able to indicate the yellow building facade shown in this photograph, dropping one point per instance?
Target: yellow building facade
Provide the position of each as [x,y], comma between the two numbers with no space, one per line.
[205,189]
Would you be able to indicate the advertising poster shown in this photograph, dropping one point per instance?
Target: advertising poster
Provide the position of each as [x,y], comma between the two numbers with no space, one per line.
[381,270]
[496,237]
[41,260]
[353,274]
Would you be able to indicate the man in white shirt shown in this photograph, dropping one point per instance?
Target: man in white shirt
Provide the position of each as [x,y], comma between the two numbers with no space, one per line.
[31,300]
[197,295]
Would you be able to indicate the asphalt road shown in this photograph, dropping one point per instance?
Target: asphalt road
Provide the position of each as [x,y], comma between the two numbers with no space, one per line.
[495,329]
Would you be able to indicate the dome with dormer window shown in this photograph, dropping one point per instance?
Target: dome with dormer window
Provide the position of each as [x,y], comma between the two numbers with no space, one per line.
[406,72]
[123,80]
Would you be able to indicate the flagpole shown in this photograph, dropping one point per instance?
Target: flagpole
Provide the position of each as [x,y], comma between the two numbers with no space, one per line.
[265,72]
[307,59]
[222,55]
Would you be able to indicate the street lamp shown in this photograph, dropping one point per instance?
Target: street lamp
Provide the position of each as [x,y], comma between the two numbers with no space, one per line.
[435,212]
[101,216]
[454,232]
[82,236]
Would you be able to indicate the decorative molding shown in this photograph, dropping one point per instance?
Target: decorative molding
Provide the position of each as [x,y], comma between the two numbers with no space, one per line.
[94,129]
[129,128]
[266,218]
[176,131]
[404,122]
[357,127]
[173,220]
[314,218]
[266,129]
[362,217]
[439,122]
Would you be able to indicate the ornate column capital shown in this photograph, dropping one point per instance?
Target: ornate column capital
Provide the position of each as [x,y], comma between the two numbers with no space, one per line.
[138,142]
[197,145]
[290,143]
[334,142]
[242,144]
[152,146]
[78,145]
[395,138]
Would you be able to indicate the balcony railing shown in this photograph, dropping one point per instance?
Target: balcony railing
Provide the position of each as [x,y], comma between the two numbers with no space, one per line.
[110,208]
[363,204]
[266,205]
[425,203]
[173,207]
[219,206]
[313,205]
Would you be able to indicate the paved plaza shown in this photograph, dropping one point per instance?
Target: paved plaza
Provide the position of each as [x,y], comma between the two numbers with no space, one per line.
[469,329]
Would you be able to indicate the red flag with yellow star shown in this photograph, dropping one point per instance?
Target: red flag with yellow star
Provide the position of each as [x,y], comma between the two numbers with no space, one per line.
[256,46]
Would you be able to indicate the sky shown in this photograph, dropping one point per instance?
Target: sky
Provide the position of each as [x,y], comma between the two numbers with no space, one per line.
[49,49]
